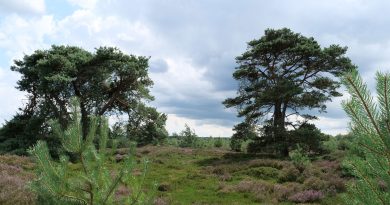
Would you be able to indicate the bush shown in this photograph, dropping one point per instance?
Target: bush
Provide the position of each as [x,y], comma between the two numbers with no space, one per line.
[336,183]
[306,196]
[299,158]
[236,144]
[255,187]
[330,145]
[315,183]
[218,143]
[283,191]
[288,174]
[188,138]
[309,137]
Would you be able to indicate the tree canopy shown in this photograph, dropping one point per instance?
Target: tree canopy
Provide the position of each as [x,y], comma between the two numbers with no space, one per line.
[285,73]
[106,82]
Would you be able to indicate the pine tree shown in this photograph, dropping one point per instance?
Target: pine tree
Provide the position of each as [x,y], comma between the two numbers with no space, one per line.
[90,180]
[284,74]
[371,127]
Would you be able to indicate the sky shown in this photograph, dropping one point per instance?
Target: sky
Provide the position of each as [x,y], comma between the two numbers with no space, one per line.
[192,45]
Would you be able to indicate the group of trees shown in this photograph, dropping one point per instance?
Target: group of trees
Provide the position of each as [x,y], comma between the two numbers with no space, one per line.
[282,74]
[107,82]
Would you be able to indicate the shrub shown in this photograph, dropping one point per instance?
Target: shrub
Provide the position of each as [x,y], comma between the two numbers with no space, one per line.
[236,144]
[299,158]
[337,183]
[330,145]
[283,191]
[309,137]
[188,138]
[315,183]
[306,196]
[288,174]
[255,187]
[93,183]
[328,166]
[218,143]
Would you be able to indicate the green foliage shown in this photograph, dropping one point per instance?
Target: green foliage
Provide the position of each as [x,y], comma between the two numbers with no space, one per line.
[218,143]
[147,126]
[242,132]
[299,158]
[309,137]
[107,82]
[20,132]
[330,145]
[188,138]
[283,73]
[236,144]
[91,181]
[371,130]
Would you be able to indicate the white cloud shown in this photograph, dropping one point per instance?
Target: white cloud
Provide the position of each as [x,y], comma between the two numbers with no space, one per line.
[90,30]
[176,124]
[20,35]
[23,6]
[332,126]
[12,99]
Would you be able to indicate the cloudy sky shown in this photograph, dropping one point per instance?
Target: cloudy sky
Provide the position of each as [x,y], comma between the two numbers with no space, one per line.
[192,44]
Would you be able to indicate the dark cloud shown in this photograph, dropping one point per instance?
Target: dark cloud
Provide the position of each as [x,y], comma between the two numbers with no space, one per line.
[199,109]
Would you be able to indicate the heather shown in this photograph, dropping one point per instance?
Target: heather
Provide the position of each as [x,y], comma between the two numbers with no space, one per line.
[219,176]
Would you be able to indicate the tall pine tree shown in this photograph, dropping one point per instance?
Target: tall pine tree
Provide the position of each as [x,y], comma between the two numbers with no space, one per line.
[283,74]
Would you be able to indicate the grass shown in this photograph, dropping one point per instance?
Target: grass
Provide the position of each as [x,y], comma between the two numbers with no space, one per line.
[218,176]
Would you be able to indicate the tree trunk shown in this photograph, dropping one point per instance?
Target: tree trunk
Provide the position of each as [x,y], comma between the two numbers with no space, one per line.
[279,131]
[83,110]
[279,121]
[84,119]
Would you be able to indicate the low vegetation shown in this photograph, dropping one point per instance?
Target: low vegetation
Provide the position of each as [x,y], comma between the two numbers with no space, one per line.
[220,176]
[15,173]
